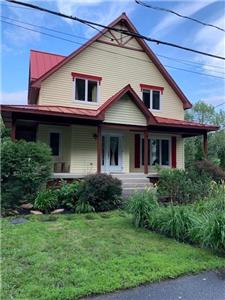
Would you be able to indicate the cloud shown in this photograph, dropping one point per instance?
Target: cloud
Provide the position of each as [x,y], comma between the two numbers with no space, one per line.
[170,21]
[212,41]
[19,97]
[15,35]
[99,11]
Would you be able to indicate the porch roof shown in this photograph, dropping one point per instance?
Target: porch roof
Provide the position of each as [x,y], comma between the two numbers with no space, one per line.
[98,115]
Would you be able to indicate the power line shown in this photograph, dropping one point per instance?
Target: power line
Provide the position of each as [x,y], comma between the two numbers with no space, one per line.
[133,34]
[186,62]
[103,50]
[219,104]
[145,4]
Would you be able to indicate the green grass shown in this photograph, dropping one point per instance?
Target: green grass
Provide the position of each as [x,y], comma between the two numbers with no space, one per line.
[77,255]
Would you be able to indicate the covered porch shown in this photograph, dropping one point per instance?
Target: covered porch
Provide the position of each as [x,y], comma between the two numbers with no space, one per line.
[83,145]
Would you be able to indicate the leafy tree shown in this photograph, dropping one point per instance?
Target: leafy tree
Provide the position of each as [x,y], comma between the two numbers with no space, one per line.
[205,113]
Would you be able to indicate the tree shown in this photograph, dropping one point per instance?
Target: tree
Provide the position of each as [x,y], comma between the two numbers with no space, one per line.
[205,113]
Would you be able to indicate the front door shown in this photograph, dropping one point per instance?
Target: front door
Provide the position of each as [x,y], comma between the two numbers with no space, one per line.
[112,153]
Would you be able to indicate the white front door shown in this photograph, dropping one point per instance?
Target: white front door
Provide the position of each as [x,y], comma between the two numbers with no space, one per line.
[112,153]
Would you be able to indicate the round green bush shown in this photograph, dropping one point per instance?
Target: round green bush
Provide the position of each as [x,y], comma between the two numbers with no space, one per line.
[25,169]
[101,191]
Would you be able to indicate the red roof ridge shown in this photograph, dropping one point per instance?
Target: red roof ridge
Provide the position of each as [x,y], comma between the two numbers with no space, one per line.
[45,52]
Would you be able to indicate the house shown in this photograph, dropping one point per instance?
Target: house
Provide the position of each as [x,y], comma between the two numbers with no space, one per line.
[110,106]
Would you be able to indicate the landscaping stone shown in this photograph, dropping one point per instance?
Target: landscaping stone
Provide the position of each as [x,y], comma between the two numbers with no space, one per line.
[36,212]
[58,211]
[27,206]
[18,221]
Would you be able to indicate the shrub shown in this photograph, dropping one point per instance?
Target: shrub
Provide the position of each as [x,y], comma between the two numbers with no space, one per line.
[25,169]
[210,169]
[182,186]
[101,191]
[140,205]
[46,200]
[210,232]
[173,221]
[83,206]
[67,194]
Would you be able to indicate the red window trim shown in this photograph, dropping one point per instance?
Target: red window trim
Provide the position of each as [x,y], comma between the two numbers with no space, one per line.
[151,87]
[86,76]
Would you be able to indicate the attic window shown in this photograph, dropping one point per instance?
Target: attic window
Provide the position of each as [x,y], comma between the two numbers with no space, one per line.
[151,96]
[86,87]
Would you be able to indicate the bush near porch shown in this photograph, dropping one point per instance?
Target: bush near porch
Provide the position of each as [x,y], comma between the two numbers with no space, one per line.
[25,169]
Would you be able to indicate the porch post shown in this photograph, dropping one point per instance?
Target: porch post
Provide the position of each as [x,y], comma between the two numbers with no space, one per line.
[13,130]
[99,148]
[205,144]
[146,152]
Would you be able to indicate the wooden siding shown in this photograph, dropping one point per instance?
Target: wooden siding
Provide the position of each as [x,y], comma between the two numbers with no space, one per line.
[83,150]
[118,67]
[125,111]
[65,133]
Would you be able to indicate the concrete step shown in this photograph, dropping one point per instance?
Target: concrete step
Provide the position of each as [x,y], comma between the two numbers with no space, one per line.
[129,175]
[135,184]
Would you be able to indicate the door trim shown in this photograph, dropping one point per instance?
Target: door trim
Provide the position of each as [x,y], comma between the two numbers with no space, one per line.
[106,168]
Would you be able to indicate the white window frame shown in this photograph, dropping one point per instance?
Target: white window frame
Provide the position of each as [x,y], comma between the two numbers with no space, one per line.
[86,91]
[60,142]
[151,99]
[160,151]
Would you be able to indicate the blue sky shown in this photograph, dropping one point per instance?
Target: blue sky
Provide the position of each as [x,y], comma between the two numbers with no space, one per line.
[16,42]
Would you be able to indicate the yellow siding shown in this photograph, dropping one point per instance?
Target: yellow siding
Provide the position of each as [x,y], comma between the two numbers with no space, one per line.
[125,111]
[83,150]
[65,131]
[180,152]
[118,67]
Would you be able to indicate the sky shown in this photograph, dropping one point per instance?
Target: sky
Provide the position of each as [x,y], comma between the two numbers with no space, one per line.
[16,42]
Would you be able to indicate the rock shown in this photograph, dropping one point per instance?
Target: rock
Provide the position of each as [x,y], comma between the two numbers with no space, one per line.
[18,221]
[58,211]
[27,206]
[36,212]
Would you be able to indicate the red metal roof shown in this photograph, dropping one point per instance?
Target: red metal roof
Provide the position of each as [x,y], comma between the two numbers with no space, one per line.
[99,115]
[53,110]
[41,62]
[184,123]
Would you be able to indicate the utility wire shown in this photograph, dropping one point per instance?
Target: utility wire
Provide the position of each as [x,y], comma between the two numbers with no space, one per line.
[219,104]
[103,50]
[145,4]
[133,34]
[189,63]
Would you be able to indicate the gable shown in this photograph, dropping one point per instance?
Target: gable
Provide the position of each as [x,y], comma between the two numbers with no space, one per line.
[125,111]
[123,20]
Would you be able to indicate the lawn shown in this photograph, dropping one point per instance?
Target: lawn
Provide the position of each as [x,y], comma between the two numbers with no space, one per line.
[77,255]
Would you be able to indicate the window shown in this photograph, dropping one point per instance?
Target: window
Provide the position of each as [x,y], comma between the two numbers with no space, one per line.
[158,152]
[80,89]
[151,96]
[155,100]
[147,98]
[54,142]
[151,99]
[86,87]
